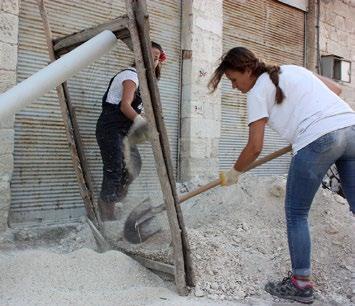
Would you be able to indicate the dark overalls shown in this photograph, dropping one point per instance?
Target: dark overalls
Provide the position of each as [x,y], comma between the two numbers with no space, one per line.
[112,126]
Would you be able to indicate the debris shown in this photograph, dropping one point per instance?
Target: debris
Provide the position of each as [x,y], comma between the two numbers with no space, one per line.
[236,246]
[244,240]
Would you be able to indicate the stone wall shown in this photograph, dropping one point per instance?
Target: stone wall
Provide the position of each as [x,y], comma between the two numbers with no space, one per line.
[202,30]
[337,36]
[202,26]
[9,11]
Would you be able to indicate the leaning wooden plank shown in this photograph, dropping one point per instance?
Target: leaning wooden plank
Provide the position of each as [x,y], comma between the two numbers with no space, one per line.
[101,242]
[104,246]
[158,155]
[154,265]
[143,30]
[81,153]
[118,26]
[68,124]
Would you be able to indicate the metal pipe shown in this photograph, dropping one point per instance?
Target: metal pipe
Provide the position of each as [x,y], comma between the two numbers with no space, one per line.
[56,73]
[318,42]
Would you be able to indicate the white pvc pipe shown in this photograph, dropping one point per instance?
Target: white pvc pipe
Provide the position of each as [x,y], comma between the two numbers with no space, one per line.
[55,74]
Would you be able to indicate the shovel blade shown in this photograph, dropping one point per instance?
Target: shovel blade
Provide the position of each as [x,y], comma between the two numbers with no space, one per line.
[140,225]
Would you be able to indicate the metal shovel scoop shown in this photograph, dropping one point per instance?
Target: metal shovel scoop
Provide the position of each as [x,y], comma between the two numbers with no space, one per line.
[139,225]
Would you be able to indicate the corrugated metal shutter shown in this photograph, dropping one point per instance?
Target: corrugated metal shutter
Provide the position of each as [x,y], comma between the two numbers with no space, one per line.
[275,33]
[44,186]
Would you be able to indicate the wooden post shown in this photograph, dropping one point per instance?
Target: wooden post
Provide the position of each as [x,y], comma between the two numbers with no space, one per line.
[162,168]
[72,132]
[142,19]
[118,26]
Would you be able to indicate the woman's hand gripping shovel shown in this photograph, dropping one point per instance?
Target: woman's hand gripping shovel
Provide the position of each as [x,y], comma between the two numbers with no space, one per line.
[138,226]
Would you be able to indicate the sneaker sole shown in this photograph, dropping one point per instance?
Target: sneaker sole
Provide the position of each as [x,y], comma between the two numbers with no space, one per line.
[304,300]
[297,299]
[301,300]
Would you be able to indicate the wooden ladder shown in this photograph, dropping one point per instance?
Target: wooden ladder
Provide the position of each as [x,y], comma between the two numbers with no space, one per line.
[133,30]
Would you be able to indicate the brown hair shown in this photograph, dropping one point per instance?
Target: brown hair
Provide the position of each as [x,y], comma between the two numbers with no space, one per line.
[240,59]
[158,68]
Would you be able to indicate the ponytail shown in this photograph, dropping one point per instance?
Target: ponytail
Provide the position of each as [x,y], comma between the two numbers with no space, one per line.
[274,72]
[240,59]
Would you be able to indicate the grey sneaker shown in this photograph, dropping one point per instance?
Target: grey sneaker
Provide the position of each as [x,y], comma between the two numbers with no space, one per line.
[287,289]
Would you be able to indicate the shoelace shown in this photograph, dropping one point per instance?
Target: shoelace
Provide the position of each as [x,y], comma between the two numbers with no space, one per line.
[287,278]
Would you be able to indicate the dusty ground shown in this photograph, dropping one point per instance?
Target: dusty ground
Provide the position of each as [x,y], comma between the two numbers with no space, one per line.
[83,277]
[238,241]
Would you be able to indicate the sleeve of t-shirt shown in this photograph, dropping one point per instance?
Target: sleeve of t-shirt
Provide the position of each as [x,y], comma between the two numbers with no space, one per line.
[257,107]
[129,75]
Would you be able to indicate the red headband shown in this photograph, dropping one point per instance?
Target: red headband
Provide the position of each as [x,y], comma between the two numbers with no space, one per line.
[162,57]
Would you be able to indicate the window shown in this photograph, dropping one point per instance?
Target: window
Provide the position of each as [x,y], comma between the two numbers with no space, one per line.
[300,4]
[336,68]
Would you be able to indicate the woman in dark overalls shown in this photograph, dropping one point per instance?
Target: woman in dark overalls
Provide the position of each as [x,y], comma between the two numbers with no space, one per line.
[120,116]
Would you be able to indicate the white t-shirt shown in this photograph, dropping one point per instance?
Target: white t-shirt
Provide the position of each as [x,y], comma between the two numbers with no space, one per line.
[309,110]
[114,95]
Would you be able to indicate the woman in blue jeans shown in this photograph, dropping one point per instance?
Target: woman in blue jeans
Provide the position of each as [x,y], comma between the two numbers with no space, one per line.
[306,111]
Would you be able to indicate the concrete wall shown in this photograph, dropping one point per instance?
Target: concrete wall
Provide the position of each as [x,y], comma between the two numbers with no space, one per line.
[337,36]
[9,11]
[202,26]
[311,37]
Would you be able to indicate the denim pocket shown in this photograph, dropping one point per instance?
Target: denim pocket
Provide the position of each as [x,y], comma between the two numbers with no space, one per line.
[323,143]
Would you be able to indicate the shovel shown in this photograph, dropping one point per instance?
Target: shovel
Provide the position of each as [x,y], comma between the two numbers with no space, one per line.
[138,226]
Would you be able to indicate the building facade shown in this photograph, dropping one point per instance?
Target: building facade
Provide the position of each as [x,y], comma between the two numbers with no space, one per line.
[206,132]
[9,19]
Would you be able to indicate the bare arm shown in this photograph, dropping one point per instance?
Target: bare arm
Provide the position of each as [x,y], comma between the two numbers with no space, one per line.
[254,146]
[334,87]
[129,89]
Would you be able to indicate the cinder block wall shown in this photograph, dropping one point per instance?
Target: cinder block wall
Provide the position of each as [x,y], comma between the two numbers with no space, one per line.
[9,11]
[337,36]
[202,26]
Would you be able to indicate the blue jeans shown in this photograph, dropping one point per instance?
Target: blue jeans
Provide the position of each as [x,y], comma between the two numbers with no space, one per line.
[307,169]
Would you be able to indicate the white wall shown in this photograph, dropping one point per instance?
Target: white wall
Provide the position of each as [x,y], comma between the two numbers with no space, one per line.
[200,112]
[9,11]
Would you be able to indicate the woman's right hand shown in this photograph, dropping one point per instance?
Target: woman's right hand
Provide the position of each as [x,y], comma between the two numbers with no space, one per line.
[139,131]
[229,177]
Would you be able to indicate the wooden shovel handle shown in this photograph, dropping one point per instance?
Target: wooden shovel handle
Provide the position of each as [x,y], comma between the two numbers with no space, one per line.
[217,182]
[199,190]
[269,157]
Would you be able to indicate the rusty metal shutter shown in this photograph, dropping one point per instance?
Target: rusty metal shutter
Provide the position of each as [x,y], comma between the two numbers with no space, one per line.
[44,187]
[275,33]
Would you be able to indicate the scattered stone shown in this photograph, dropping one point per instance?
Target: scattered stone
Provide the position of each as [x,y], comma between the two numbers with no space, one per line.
[340,199]
[242,243]
[199,292]
[236,245]
[331,230]
[278,187]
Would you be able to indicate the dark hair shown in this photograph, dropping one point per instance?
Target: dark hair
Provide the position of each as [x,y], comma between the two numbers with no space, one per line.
[158,68]
[240,59]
